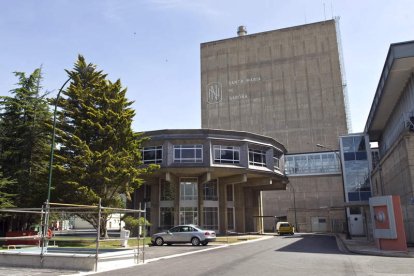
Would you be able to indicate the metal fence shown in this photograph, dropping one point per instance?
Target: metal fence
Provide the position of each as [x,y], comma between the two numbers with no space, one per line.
[44,239]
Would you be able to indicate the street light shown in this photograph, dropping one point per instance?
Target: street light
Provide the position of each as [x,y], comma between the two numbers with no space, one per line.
[348,236]
[88,68]
[52,146]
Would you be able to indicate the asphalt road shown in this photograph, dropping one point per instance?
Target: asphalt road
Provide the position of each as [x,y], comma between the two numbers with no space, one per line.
[268,257]
[287,255]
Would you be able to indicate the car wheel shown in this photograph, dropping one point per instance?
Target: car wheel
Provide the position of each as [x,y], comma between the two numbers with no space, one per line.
[159,241]
[204,243]
[195,241]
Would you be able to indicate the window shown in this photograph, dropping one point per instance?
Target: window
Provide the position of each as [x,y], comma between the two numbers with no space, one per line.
[147,193]
[276,162]
[257,158]
[166,217]
[188,215]
[356,168]
[210,216]
[210,191]
[187,229]
[312,163]
[230,218]
[167,191]
[152,155]
[226,154]
[188,189]
[147,213]
[188,153]
[229,192]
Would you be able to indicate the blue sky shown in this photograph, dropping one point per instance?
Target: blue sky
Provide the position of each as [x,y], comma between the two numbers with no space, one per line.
[153,46]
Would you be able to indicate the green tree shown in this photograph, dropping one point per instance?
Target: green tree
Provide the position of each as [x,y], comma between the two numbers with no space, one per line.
[6,199]
[24,140]
[99,155]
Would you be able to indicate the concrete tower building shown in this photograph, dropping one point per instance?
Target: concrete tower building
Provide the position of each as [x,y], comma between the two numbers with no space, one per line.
[286,84]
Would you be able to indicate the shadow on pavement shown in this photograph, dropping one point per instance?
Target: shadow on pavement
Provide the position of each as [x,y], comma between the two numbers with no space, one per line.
[312,244]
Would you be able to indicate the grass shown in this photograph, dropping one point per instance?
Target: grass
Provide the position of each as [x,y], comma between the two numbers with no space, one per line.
[89,242]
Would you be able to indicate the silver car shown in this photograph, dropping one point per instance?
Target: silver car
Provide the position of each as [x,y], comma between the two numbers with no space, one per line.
[184,234]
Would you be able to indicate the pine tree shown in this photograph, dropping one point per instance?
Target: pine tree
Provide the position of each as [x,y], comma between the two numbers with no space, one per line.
[25,139]
[99,154]
[6,199]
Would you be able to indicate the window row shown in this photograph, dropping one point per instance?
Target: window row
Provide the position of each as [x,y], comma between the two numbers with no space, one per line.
[312,163]
[221,155]
[189,215]
[189,190]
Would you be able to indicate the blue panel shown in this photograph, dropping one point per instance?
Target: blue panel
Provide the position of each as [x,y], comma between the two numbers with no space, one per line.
[349,156]
[353,196]
[365,195]
[361,156]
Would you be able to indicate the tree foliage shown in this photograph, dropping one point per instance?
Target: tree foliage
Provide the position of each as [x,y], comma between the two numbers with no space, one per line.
[6,199]
[99,155]
[24,140]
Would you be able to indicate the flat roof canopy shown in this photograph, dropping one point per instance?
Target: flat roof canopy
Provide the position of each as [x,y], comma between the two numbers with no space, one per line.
[398,67]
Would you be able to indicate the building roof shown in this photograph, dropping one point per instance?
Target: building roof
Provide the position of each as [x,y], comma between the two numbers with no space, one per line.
[287,29]
[204,133]
[398,67]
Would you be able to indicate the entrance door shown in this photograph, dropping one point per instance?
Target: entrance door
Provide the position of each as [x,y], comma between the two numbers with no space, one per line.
[356,225]
[319,224]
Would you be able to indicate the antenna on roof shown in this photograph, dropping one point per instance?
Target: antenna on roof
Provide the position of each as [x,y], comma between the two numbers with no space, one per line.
[324,12]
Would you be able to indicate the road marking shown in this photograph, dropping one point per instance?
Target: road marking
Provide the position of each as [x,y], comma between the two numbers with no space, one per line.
[127,263]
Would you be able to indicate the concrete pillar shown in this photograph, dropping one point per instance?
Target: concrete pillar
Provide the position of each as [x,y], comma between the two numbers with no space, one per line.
[239,209]
[176,184]
[155,206]
[200,205]
[222,208]
[252,210]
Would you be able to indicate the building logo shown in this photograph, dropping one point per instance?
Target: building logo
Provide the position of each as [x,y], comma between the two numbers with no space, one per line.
[214,92]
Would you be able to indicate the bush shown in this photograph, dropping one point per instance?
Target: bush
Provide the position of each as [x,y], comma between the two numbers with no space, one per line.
[132,224]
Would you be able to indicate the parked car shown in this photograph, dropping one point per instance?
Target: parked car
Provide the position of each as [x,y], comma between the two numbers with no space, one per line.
[184,234]
[284,227]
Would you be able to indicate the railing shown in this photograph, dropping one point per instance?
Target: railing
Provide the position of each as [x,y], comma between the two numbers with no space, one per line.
[39,239]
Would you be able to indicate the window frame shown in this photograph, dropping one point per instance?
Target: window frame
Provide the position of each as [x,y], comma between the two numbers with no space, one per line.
[196,148]
[224,148]
[253,152]
[157,149]
[207,196]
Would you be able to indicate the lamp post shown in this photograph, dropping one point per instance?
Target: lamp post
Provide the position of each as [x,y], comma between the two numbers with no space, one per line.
[348,236]
[52,146]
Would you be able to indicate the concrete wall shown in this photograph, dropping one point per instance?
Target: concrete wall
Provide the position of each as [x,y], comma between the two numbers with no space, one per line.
[285,84]
[56,261]
[395,177]
[315,196]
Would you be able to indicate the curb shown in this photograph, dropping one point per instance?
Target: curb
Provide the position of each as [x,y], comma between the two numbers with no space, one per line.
[343,246]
